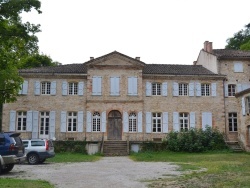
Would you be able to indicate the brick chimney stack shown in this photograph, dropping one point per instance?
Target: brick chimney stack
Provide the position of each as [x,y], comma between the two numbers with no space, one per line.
[208,46]
[91,58]
[137,58]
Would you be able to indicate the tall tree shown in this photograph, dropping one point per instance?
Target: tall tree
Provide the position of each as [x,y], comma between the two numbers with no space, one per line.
[240,40]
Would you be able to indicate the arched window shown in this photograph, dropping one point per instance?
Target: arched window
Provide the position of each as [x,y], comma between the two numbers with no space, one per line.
[96,126]
[132,122]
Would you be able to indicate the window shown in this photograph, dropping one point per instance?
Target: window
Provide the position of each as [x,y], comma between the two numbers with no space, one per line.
[44,123]
[132,122]
[183,89]
[156,88]
[232,121]
[73,88]
[46,88]
[205,89]
[96,122]
[248,104]
[97,85]
[238,67]
[72,119]
[114,86]
[21,121]
[231,89]
[156,117]
[184,121]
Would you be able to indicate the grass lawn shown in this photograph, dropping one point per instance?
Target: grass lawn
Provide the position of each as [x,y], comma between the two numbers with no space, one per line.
[222,169]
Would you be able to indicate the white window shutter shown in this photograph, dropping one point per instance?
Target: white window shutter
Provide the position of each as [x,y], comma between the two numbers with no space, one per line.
[175,89]
[25,87]
[89,121]
[52,124]
[125,122]
[176,126]
[226,90]
[198,89]
[148,122]
[214,86]
[29,121]
[97,85]
[192,119]
[164,89]
[64,88]
[148,89]
[206,120]
[103,122]
[12,120]
[191,89]
[63,121]
[53,88]
[238,67]
[132,85]
[245,86]
[243,106]
[114,85]
[80,121]
[37,88]
[35,124]
[117,86]
[135,86]
[165,122]
[239,88]
[80,88]
[140,122]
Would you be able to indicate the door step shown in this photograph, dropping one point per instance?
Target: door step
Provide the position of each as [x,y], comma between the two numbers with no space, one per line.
[115,148]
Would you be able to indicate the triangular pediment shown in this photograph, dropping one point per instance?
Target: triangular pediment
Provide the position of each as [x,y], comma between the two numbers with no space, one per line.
[114,59]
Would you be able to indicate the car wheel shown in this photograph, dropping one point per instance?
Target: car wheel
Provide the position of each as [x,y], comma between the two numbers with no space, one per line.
[33,159]
[42,161]
[8,168]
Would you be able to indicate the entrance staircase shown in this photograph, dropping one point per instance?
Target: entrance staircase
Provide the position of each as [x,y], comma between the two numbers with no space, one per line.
[235,146]
[115,148]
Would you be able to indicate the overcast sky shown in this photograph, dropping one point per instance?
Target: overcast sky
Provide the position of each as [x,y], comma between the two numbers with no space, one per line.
[158,31]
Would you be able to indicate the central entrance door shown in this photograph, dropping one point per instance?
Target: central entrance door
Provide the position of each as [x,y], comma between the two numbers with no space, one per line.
[114,125]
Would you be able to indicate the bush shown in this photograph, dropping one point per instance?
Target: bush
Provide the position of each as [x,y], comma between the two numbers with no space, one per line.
[153,146]
[196,140]
[70,146]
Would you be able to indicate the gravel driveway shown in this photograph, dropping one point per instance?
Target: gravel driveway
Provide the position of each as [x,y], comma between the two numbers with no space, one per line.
[117,172]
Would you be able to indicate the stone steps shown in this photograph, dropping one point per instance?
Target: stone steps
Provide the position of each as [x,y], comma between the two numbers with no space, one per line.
[235,146]
[115,148]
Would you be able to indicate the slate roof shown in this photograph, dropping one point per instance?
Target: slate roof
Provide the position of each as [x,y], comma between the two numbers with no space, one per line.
[225,53]
[176,69]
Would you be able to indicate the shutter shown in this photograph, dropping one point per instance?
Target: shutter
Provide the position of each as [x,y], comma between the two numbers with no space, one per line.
[117,85]
[20,89]
[206,120]
[165,122]
[52,124]
[37,88]
[214,89]
[140,122]
[130,86]
[148,89]
[103,122]
[89,120]
[243,106]
[97,85]
[238,67]
[125,122]
[12,120]
[63,121]
[164,89]
[226,90]
[64,88]
[245,86]
[198,89]
[29,121]
[25,87]
[192,119]
[35,125]
[176,126]
[148,122]
[135,85]
[80,121]
[53,88]
[114,85]
[175,89]
[239,89]
[191,89]
[80,88]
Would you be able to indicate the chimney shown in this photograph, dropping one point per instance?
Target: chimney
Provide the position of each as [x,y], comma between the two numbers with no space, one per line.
[205,46]
[137,58]
[209,47]
[91,58]
[195,62]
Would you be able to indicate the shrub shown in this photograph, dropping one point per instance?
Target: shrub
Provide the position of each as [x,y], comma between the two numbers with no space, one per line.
[70,146]
[196,140]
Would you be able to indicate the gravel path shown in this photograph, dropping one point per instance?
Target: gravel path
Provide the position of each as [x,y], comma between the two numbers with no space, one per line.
[111,172]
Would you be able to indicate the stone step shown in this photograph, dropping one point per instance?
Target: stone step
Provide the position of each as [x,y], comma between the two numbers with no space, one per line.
[115,148]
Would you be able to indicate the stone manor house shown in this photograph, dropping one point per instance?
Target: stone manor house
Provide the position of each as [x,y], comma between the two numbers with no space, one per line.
[119,98]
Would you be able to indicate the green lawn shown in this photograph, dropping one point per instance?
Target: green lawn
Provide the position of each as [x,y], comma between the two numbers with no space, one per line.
[222,169]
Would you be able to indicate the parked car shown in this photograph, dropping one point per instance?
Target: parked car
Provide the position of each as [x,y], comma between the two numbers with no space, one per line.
[11,151]
[38,150]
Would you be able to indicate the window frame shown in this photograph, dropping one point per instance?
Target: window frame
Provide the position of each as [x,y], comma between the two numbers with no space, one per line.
[45,88]
[73,88]
[232,122]
[183,89]
[72,121]
[184,121]
[132,122]
[156,89]
[23,121]
[96,122]
[231,90]
[205,89]
[44,123]
[157,122]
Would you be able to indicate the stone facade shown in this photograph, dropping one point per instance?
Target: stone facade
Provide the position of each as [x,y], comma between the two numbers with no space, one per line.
[116,97]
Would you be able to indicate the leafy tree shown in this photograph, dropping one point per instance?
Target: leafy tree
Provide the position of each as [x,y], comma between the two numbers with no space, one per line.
[240,40]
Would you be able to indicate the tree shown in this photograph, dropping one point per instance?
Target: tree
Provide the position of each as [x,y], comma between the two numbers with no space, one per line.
[17,41]
[240,40]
